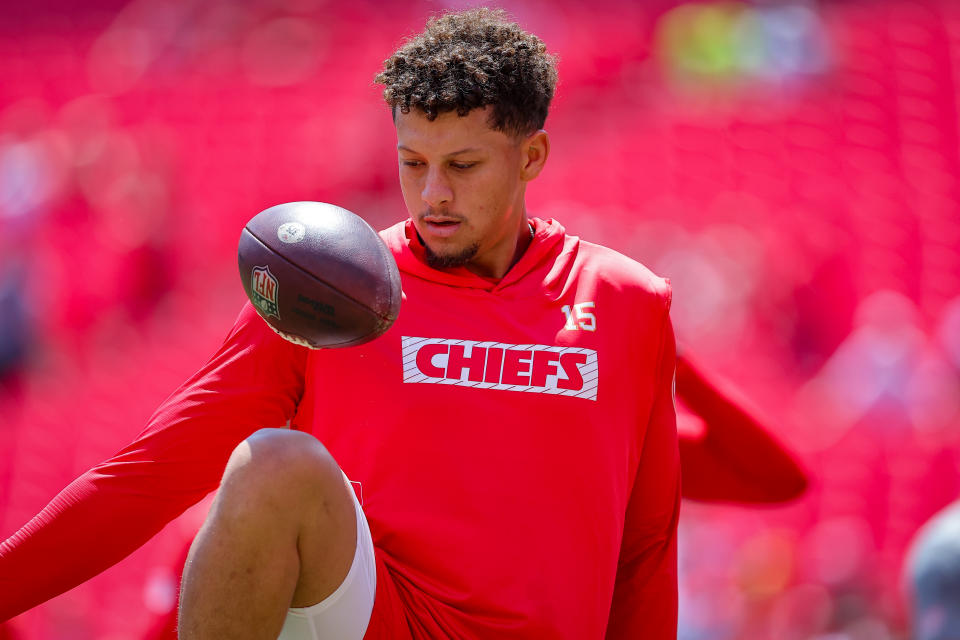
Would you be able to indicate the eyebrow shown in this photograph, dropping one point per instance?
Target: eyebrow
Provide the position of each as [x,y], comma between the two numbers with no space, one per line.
[458,152]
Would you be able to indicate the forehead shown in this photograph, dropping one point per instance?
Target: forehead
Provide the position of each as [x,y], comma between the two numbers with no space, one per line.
[449,132]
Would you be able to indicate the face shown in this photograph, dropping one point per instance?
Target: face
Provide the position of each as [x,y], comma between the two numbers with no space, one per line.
[464,184]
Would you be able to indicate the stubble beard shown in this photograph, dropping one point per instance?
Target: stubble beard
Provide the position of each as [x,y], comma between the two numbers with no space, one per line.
[447,261]
[457,258]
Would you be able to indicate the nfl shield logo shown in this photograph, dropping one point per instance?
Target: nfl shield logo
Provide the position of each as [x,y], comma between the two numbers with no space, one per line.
[263,289]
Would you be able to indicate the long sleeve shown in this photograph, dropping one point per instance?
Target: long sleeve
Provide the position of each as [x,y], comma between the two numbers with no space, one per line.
[255,380]
[645,595]
[737,458]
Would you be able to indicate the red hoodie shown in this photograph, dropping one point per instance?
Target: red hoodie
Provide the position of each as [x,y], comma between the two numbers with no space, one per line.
[515,443]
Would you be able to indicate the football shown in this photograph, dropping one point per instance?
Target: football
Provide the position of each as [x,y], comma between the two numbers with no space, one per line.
[319,275]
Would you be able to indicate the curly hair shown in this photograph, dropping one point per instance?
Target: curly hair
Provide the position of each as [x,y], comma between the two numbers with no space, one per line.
[468,60]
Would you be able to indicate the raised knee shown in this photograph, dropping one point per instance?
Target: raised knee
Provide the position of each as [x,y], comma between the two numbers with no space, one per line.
[283,460]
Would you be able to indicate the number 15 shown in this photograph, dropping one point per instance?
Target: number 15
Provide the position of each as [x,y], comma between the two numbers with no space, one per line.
[580,317]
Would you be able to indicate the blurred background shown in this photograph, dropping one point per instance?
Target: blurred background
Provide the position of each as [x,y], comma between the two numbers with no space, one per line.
[792,166]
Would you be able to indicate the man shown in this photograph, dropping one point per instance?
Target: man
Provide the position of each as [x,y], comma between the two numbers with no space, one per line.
[932,577]
[513,435]
[728,454]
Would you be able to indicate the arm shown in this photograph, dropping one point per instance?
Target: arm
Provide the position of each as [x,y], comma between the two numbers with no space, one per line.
[645,595]
[254,380]
[736,459]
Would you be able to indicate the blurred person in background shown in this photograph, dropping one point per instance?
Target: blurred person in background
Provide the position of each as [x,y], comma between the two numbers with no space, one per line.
[15,336]
[932,577]
[28,179]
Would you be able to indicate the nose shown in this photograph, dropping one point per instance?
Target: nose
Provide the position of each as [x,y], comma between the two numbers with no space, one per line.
[436,188]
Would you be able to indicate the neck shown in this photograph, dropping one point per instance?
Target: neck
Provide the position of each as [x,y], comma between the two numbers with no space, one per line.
[496,271]
[524,238]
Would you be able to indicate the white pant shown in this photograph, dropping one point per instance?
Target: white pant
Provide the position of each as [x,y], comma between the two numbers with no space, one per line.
[345,613]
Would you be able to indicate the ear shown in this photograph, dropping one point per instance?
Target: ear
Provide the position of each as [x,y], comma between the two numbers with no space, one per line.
[533,153]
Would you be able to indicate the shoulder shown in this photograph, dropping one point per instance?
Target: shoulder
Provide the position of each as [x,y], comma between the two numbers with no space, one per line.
[615,270]
[395,236]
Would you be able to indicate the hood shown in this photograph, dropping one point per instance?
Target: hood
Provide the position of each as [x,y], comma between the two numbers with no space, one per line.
[402,240]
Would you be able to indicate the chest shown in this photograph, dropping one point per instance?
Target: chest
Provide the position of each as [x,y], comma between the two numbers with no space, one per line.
[468,368]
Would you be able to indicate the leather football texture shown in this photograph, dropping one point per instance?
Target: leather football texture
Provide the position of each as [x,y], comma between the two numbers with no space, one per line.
[319,275]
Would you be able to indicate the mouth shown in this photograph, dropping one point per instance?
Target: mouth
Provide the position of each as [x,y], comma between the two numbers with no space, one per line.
[441,226]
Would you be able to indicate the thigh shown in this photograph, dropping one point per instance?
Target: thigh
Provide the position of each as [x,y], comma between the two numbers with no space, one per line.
[281,531]
[345,613]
